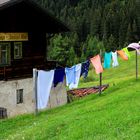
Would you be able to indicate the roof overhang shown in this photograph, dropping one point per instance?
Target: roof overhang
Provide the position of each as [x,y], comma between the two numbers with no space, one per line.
[28,16]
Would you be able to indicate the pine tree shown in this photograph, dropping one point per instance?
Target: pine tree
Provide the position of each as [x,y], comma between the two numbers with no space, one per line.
[112,22]
[96,23]
[135,32]
[129,34]
[111,45]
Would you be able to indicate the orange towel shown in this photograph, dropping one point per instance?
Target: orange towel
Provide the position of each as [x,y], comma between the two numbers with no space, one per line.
[122,55]
[96,62]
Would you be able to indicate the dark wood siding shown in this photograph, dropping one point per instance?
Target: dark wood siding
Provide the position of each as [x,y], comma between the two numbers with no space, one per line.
[22,16]
[34,56]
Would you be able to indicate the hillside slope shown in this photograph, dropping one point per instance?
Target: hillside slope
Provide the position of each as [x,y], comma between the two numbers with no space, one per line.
[113,116]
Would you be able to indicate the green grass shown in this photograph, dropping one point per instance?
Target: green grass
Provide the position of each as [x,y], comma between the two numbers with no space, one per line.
[115,115]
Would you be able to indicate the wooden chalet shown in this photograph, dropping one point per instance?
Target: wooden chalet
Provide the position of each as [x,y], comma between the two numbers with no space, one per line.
[23,29]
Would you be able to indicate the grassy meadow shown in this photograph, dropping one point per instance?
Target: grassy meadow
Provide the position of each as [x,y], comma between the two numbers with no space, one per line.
[115,115]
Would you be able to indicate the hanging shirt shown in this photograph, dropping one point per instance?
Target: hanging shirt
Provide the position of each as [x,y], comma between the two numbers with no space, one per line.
[73,76]
[114,59]
[122,55]
[70,75]
[58,76]
[44,84]
[77,76]
[126,52]
[96,62]
[135,46]
[107,60]
[85,68]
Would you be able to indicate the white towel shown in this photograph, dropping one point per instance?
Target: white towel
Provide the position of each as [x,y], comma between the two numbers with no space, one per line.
[114,59]
[44,84]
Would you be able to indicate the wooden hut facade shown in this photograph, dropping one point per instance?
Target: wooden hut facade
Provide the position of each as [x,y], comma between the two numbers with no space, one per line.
[23,29]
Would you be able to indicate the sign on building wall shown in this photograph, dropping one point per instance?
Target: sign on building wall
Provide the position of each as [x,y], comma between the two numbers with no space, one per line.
[13,36]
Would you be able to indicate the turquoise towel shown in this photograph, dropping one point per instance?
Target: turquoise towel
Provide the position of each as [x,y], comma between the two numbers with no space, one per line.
[107,60]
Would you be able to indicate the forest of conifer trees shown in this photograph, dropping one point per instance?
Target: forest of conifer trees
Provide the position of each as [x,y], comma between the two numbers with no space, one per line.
[95,25]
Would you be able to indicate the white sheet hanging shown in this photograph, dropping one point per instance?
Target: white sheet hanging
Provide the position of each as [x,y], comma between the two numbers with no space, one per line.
[44,84]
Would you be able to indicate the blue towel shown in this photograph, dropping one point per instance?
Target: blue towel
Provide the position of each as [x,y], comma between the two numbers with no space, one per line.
[73,76]
[58,76]
[85,68]
[70,75]
[107,60]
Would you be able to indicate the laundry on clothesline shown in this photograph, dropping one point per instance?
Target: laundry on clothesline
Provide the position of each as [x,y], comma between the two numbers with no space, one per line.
[114,59]
[134,46]
[107,60]
[58,76]
[85,68]
[96,62]
[122,55]
[126,52]
[44,84]
[73,76]
[47,78]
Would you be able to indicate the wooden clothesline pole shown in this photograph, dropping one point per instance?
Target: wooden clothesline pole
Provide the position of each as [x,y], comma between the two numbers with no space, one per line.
[100,75]
[35,89]
[136,65]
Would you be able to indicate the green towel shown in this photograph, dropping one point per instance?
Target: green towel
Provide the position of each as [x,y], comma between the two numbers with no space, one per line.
[126,52]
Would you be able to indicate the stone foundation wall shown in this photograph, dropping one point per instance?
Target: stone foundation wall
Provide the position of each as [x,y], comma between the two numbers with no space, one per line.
[8,96]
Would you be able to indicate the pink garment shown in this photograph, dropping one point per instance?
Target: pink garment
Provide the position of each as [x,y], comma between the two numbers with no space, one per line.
[135,46]
[96,62]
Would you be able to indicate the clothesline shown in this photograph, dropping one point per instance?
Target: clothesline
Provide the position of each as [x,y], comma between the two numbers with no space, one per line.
[46,79]
[74,73]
